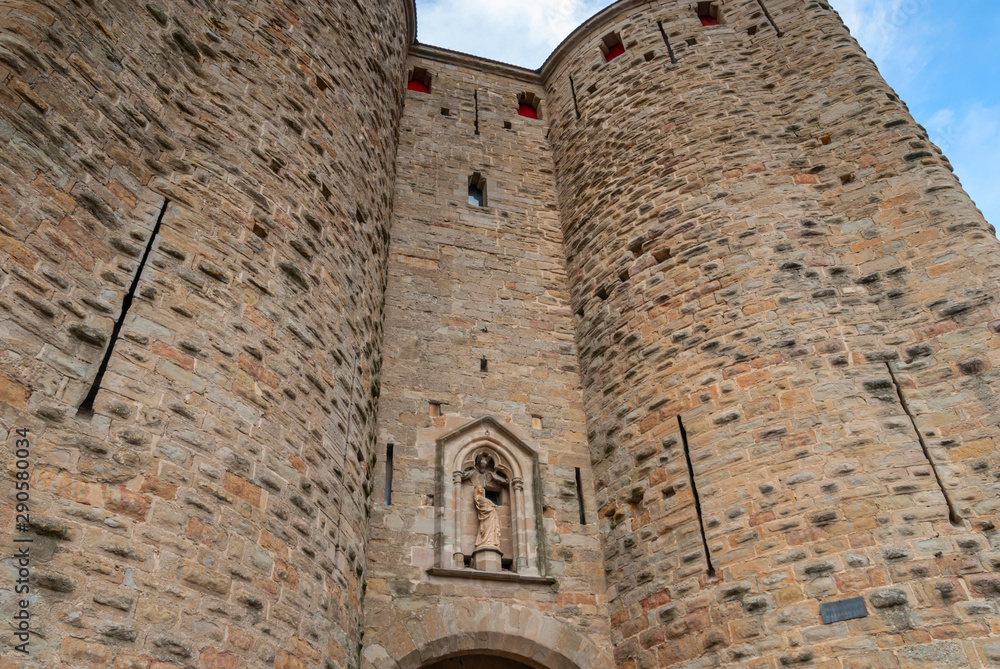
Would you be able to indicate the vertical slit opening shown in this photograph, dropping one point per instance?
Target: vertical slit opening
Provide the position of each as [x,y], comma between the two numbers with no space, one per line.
[483,365]
[388,474]
[579,497]
[666,41]
[953,515]
[572,88]
[697,499]
[476,96]
[769,18]
[87,406]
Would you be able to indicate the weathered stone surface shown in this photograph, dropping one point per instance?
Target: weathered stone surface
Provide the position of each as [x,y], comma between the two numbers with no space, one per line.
[148,514]
[744,233]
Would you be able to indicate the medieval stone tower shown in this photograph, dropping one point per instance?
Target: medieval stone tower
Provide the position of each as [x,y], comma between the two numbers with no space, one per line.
[324,348]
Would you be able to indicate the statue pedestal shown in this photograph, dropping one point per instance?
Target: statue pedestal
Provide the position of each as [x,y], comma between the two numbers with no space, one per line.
[487,559]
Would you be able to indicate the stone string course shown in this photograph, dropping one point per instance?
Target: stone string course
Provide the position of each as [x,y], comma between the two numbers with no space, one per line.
[757,242]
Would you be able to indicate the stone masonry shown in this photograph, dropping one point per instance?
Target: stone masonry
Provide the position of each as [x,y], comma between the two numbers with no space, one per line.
[723,290]
[212,510]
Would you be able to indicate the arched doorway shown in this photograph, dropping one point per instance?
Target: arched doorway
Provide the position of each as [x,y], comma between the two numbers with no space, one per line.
[478,661]
[478,633]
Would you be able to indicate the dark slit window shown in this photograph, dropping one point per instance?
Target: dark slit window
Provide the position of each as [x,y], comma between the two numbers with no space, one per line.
[388,474]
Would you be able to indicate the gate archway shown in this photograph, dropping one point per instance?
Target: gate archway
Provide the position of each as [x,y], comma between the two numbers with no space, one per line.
[479,661]
[483,629]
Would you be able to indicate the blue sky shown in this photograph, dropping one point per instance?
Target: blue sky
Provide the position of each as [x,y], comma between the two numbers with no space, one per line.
[941,56]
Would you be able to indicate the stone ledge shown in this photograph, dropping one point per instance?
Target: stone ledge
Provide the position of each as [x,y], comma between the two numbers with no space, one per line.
[475,574]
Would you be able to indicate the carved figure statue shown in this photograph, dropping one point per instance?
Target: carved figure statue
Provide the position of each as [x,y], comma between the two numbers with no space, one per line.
[489,521]
[485,472]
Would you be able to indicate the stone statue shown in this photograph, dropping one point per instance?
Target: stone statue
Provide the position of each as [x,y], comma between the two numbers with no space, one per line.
[489,521]
[485,472]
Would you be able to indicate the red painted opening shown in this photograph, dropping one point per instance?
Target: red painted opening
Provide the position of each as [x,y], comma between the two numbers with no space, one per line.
[526,110]
[709,21]
[418,86]
[615,51]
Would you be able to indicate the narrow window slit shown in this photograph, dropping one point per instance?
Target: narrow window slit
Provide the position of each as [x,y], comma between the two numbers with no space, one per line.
[87,407]
[697,499]
[572,88]
[579,497]
[388,474]
[483,365]
[769,18]
[666,41]
[476,96]
[953,514]
[435,409]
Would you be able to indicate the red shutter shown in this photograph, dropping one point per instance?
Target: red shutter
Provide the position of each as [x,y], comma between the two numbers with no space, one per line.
[708,21]
[527,110]
[615,51]
[418,86]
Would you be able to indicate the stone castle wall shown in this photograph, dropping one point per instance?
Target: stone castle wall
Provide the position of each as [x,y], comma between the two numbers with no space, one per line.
[468,283]
[755,242]
[763,244]
[211,512]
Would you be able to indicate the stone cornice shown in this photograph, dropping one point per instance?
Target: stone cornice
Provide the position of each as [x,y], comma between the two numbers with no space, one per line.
[478,63]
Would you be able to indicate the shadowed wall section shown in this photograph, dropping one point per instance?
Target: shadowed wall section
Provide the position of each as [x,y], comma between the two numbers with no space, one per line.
[212,509]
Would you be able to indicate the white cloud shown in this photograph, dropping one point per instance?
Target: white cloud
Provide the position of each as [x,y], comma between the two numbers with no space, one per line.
[970,138]
[896,35]
[520,32]
[891,34]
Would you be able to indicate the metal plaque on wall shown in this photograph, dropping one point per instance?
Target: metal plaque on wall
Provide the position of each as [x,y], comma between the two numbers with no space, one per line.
[847,609]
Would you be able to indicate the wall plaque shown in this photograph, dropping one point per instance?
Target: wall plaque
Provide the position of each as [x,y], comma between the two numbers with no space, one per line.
[846,609]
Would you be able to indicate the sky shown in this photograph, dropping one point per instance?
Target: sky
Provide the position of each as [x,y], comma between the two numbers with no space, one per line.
[941,56]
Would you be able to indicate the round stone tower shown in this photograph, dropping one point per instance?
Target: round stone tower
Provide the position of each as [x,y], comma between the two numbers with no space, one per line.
[786,315]
[194,202]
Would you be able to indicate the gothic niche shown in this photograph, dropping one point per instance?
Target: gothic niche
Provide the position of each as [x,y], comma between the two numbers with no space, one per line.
[487,518]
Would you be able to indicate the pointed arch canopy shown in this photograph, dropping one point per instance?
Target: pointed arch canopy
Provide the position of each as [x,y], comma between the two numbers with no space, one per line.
[455,452]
